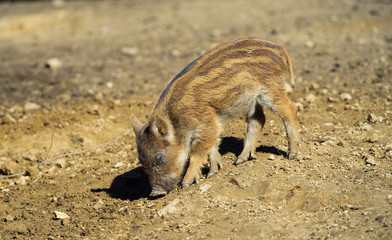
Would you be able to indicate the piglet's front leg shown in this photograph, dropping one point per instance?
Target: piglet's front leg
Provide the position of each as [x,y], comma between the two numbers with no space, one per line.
[200,150]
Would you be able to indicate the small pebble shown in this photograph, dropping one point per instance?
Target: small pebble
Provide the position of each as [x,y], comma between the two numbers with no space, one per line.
[345,97]
[98,96]
[168,209]
[370,161]
[203,188]
[309,44]
[60,215]
[98,205]
[373,138]
[30,106]
[131,51]
[300,106]
[176,53]
[53,64]
[314,86]
[9,218]
[60,163]
[310,98]
[118,165]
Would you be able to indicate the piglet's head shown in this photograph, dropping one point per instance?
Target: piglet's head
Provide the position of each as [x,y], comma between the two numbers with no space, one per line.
[158,153]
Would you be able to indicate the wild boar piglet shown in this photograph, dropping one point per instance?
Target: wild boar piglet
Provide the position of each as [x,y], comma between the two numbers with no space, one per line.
[238,78]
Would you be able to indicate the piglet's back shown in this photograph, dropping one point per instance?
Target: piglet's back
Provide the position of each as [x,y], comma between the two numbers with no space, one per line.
[219,76]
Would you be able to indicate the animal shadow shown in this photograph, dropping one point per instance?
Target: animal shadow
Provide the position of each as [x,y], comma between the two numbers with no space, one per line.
[235,145]
[130,185]
[134,184]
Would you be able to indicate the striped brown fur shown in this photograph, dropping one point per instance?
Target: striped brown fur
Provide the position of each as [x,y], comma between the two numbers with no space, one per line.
[238,78]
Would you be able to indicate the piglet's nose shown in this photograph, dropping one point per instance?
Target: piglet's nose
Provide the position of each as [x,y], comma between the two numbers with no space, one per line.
[157,192]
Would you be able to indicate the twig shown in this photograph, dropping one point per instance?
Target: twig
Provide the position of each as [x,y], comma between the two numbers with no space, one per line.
[13,175]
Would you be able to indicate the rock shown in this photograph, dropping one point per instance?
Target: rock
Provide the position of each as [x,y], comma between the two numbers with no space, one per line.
[123,209]
[389,198]
[373,118]
[53,64]
[131,51]
[118,165]
[388,147]
[271,157]
[32,171]
[176,53]
[331,99]
[314,86]
[310,98]
[373,138]
[98,205]
[10,168]
[235,181]
[98,97]
[309,44]
[169,209]
[345,97]
[60,163]
[23,180]
[324,91]
[30,106]
[109,84]
[370,161]
[203,188]
[8,118]
[366,127]
[299,106]
[60,215]
[9,218]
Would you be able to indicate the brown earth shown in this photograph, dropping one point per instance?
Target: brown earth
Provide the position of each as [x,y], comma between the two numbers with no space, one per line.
[65,143]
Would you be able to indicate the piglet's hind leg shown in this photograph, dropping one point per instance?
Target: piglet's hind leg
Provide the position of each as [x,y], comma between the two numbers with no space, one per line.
[256,120]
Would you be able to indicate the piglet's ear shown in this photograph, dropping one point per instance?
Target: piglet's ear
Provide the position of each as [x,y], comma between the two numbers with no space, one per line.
[136,124]
[162,129]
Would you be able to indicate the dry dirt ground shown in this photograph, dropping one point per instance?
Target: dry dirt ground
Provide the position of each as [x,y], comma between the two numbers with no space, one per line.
[71,74]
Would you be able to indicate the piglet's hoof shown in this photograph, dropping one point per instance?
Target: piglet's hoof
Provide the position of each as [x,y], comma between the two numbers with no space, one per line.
[211,173]
[185,185]
[292,155]
[239,160]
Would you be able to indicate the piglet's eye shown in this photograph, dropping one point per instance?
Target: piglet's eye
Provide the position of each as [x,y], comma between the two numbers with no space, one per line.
[159,159]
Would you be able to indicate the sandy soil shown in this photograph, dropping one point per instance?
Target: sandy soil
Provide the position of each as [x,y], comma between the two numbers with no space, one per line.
[71,74]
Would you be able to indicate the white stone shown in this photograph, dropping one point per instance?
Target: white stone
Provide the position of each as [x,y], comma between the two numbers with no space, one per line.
[309,44]
[204,188]
[60,215]
[98,205]
[60,163]
[169,209]
[53,63]
[345,97]
[131,51]
[29,106]
[119,164]
[370,161]
[310,98]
